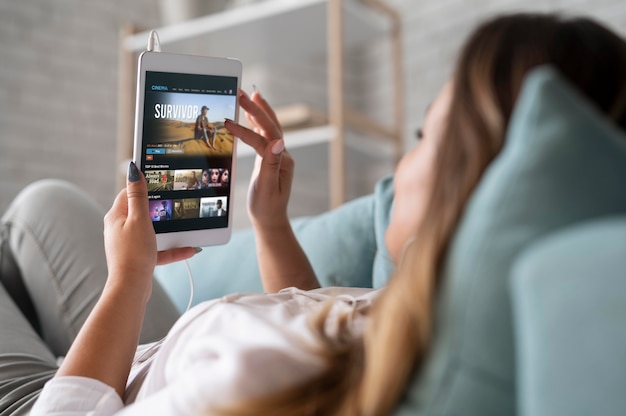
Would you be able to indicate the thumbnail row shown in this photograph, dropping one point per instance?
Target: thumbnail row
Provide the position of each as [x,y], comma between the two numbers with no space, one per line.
[186,179]
[178,209]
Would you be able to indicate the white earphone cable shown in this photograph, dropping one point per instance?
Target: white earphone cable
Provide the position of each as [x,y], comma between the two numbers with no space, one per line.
[191,286]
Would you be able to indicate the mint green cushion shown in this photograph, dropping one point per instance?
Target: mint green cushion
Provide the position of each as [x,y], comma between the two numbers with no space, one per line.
[569,299]
[345,247]
[562,164]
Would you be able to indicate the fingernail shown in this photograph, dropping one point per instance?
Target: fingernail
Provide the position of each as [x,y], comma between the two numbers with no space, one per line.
[133,172]
[228,120]
[197,249]
[255,89]
[278,147]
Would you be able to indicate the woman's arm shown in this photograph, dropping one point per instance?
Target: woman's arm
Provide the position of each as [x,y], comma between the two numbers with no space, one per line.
[105,345]
[282,262]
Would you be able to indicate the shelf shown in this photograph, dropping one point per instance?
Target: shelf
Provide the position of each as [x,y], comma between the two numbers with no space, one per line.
[295,139]
[285,31]
[266,26]
[310,136]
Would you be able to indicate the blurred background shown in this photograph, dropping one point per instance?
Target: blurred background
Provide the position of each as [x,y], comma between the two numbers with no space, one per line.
[66,81]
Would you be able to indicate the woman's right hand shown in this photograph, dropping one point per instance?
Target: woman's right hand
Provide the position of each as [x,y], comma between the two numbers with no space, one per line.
[129,239]
[270,185]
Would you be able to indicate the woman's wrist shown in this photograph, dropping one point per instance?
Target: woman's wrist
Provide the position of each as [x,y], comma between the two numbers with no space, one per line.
[131,288]
[274,228]
[282,261]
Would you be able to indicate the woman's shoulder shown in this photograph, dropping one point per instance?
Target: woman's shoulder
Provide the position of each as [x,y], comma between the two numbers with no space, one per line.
[243,345]
[270,317]
[301,301]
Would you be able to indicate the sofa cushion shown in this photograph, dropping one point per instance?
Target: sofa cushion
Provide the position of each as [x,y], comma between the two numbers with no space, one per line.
[569,308]
[345,247]
[562,163]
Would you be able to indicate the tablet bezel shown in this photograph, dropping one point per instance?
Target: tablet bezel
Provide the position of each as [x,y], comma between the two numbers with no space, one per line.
[187,64]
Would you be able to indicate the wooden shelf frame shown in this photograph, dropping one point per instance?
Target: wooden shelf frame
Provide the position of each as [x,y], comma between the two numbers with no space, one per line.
[339,15]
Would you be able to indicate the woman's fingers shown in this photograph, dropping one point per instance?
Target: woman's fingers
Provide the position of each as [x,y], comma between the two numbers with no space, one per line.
[136,192]
[250,120]
[174,255]
[260,118]
[119,207]
[269,170]
[255,128]
[260,101]
[252,139]
[132,200]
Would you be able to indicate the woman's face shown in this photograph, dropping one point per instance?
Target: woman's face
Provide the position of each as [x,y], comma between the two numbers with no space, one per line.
[215,175]
[413,178]
[205,176]
[225,176]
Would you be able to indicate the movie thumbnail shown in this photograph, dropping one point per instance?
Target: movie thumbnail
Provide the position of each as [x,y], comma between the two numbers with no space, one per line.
[186,208]
[187,179]
[214,178]
[160,209]
[214,140]
[213,207]
[193,123]
[160,180]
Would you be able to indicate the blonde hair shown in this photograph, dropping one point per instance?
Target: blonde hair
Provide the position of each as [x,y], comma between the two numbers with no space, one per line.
[368,376]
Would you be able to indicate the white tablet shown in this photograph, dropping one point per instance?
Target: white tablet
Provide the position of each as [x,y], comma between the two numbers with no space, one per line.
[183,148]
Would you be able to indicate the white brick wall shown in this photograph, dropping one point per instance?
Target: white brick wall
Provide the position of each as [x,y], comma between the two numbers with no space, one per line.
[58,80]
[58,91]
[434,31]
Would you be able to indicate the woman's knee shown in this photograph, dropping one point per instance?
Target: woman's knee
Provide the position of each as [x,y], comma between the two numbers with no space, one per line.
[50,198]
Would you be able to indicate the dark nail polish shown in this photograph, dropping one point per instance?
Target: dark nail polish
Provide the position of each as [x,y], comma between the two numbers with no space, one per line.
[197,249]
[133,172]
[228,120]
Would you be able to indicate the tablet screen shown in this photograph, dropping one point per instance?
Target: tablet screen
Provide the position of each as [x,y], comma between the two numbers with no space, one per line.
[187,153]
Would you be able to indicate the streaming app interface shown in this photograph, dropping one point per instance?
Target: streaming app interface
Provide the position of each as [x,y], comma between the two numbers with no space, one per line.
[187,152]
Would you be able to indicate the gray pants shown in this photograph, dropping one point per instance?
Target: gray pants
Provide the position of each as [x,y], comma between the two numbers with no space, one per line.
[52,232]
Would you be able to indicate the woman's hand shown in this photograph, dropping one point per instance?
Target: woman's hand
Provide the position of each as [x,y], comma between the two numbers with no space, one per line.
[111,332]
[282,262]
[270,185]
[129,239]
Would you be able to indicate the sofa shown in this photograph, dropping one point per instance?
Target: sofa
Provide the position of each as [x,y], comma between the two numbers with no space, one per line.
[530,317]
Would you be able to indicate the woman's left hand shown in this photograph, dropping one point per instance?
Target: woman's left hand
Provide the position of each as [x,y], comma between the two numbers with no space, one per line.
[270,185]
[282,262]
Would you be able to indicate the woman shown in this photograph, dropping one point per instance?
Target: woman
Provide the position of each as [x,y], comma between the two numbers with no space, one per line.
[225,177]
[333,366]
[205,179]
[215,176]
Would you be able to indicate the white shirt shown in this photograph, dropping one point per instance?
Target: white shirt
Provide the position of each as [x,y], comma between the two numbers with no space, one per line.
[220,352]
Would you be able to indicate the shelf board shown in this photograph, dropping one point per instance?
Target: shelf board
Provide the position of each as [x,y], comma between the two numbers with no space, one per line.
[295,139]
[323,134]
[270,30]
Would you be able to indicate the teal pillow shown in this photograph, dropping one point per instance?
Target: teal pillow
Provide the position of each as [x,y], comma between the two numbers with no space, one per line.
[345,247]
[562,164]
[569,308]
